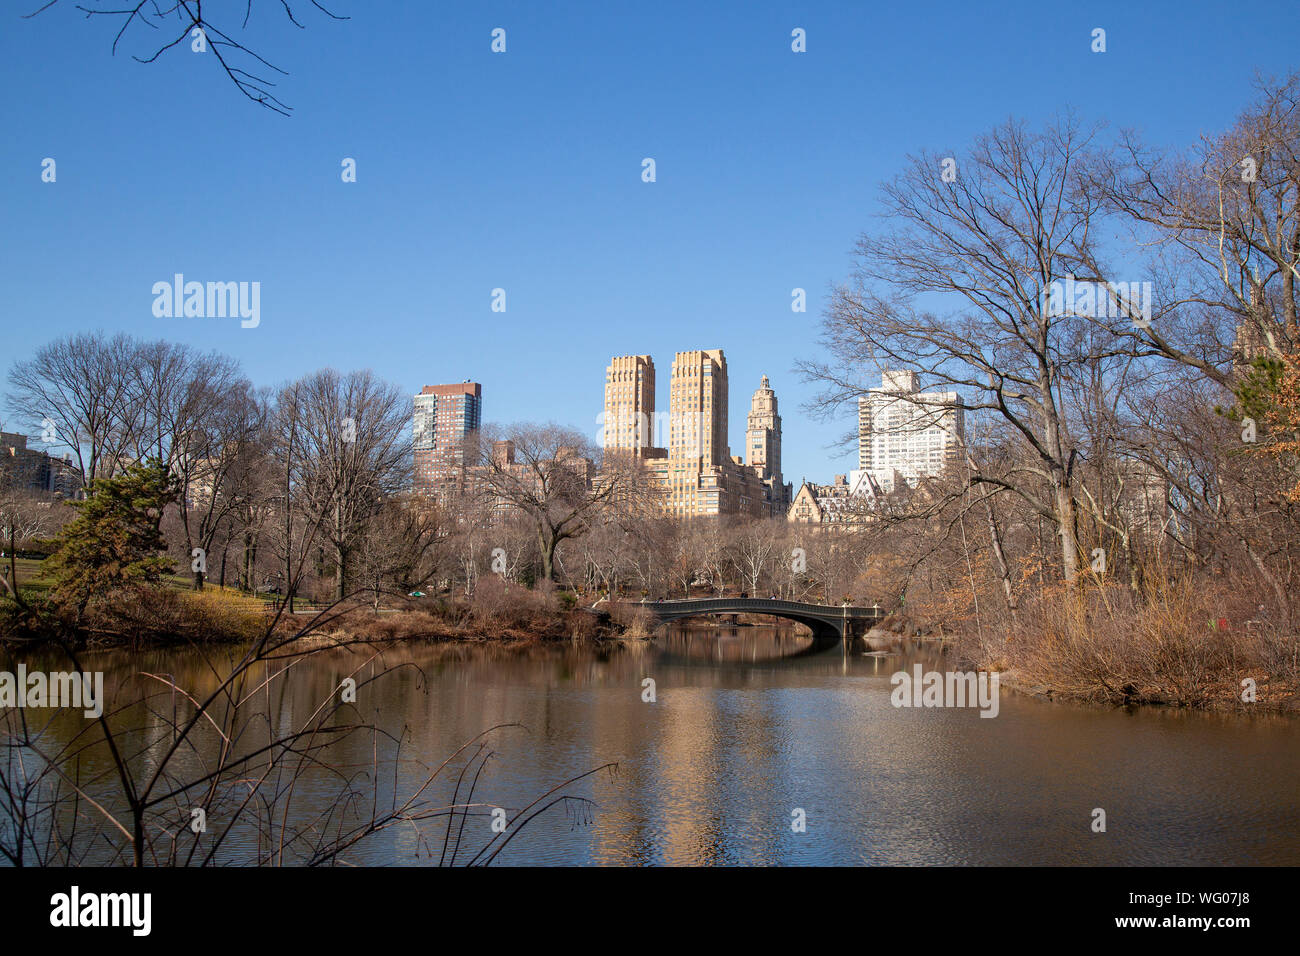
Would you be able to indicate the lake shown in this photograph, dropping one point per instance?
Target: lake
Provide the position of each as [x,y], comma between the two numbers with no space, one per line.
[753,731]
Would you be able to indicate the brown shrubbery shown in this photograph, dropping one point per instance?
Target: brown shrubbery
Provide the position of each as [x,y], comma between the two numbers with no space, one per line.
[143,616]
[498,606]
[151,615]
[635,622]
[496,610]
[1185,644]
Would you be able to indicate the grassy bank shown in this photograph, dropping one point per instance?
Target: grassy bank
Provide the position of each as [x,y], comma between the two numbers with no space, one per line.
[166,614]
[33,576]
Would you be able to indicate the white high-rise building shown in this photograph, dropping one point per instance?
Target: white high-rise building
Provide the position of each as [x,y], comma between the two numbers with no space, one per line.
[905,434]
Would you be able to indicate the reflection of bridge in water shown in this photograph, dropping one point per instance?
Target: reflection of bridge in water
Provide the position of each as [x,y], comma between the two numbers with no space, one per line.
[827,621]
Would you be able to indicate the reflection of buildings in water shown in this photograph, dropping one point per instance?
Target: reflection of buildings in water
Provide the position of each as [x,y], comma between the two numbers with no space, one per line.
[716,743]
[686,764]
[736,644]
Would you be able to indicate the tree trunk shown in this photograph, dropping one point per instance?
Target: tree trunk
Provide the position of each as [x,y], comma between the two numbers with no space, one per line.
[548,558]
[1004,571]
[1065,519]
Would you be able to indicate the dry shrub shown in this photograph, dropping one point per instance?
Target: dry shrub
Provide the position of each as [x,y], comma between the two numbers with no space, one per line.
[397,626]
[498,605]
[148,615]
[581,626]
[496,610]
[1104,643]
[634,621]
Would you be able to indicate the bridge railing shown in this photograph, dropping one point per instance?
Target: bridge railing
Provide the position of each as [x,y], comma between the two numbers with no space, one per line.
[759,605]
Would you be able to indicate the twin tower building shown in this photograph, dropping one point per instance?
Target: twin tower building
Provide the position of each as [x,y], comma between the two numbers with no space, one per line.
[686,451]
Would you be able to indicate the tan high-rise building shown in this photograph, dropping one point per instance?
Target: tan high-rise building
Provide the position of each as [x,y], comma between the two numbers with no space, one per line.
[629,418]
[763,446]
[696,471]
[697,433]
[697,409]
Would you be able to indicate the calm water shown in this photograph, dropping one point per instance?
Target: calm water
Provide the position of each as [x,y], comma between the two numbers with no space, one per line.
[752,723]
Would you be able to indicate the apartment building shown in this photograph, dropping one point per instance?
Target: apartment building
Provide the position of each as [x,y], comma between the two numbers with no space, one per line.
[694,467]
[27,469]
[628,422]
[905,434]
[446,420]
[763,447]
[849,498]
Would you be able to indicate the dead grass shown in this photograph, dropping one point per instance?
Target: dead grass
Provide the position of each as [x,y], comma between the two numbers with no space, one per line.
[150,615]
[1188,643]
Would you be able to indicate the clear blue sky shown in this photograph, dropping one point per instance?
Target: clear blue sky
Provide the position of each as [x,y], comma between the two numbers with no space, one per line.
[523,171]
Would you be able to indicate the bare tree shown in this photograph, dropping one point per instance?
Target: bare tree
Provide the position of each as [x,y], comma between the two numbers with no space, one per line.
[344,445]
[183,23]
[651,555]
[984,251]
[687,555]
[1226,217]
[78,392]
[558,480]
[402,548]
[199,417]
[755,548]
[24,515]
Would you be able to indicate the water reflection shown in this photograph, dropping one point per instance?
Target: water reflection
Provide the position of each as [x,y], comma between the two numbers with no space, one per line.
[738,645]
[750,724]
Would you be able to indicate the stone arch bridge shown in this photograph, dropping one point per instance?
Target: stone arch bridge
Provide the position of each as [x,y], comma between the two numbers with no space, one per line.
[827,621]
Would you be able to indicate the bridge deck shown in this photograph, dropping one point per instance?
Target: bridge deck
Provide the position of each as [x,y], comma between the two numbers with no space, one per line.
[823,612]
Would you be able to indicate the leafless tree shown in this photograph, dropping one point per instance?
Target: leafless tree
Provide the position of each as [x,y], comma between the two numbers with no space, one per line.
[24,515]
[1226,218]
[558,480]
[78,393]
[957,287]
[183,23]
[201,419]
[403,547]
[756,549]
[344,444]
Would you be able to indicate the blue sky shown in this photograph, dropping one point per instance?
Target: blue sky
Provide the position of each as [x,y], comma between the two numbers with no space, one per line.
[522,171]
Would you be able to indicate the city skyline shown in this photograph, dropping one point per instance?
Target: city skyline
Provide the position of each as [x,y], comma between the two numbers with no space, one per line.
[904,434]
[527,177]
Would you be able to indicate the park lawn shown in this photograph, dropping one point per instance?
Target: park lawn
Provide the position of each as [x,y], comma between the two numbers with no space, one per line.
[31,575]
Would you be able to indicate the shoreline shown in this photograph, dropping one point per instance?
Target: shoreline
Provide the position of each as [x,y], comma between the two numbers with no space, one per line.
[597,627]
[1285,707]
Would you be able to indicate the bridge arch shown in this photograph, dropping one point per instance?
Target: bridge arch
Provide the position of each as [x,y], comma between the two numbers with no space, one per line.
[826,621]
